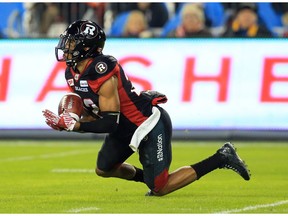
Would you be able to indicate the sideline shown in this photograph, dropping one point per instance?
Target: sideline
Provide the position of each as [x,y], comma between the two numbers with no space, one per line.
[248,208]
[78,210]
[73,171]
[46,156]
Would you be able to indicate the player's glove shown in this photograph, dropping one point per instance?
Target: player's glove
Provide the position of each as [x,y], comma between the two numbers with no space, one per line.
[62,122]
[52,119]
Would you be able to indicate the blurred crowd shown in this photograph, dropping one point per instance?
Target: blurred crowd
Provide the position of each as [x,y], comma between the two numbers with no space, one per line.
[147,20]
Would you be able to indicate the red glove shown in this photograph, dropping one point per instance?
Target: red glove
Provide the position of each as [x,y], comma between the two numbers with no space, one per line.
[62,122]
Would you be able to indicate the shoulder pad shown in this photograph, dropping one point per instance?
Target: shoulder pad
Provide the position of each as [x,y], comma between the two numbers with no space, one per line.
[104,64]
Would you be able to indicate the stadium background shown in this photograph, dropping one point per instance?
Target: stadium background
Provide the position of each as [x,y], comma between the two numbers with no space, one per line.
[218,88]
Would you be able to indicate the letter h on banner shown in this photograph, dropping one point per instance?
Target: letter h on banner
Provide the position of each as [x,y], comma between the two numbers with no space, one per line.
[221,79]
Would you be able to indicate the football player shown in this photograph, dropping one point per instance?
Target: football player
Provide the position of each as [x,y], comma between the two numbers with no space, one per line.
[132,122]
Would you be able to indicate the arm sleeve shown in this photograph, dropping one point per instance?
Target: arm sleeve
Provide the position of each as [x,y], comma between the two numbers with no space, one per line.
[107,124]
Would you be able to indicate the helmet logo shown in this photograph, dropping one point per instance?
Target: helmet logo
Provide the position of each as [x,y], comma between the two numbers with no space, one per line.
[89,30]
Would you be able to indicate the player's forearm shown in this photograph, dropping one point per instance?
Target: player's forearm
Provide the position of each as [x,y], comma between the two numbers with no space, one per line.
[107,124]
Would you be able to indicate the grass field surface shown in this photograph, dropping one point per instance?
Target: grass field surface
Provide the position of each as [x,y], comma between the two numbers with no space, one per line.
[58,177]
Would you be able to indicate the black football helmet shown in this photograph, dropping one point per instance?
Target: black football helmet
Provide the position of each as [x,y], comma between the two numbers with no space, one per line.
[82,39]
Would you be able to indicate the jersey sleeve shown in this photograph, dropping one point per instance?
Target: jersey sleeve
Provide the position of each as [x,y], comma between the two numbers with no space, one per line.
[103,68]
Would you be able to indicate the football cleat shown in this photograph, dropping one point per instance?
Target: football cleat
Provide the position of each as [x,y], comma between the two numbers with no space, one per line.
[231,160]
[149,193]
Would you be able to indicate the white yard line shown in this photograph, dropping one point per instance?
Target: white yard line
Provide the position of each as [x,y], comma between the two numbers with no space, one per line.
[78,210]
[45,156]
[72,171]
[248,208]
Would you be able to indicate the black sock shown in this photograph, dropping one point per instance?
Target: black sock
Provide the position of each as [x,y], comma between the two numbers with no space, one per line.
[207,165]
[138,175]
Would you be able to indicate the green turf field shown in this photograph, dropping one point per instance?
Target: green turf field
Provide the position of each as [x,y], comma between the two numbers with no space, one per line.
[58,177]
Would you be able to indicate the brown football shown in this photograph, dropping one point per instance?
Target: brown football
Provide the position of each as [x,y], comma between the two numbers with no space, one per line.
[72,103]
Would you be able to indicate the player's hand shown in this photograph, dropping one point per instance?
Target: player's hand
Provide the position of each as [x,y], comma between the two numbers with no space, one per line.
[62,122]
[67,121]
[52,119]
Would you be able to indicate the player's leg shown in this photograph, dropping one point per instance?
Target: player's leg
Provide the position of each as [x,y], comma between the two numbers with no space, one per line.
[156,155]
[111,157]
[187,174]
[225,157]
[156,174]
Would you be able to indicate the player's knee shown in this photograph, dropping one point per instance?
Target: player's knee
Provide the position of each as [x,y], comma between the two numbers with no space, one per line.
[100,172]
[103,173]
[160,183]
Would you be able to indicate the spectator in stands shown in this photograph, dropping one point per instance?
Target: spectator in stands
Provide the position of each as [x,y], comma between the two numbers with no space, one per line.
[136,25]
[12,16]
[213,13]
[275,16]
[50,19]
[245,23]
[42,19]
[192,23]
[230,9]
[281,10]
[155,13]
[95,12]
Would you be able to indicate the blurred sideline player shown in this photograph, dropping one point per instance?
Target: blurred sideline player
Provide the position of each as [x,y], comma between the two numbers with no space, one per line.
[133,122]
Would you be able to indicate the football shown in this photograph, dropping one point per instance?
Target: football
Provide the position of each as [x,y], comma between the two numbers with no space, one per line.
[72,103]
